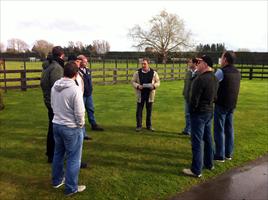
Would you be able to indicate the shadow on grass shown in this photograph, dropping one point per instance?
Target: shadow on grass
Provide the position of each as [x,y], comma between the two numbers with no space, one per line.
[132,130]
[27,184]
[138,158]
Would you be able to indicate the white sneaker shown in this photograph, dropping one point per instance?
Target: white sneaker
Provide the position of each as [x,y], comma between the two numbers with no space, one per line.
[62,183]
[80,188]
[228,158]
[219,160]
[190,173]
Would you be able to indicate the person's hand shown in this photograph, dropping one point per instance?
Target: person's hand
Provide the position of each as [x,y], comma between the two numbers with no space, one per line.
[152,87]
[140,87]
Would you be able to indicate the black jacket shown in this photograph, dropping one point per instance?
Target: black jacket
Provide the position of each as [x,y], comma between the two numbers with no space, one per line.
[187,84]
[229,87]
[203,93]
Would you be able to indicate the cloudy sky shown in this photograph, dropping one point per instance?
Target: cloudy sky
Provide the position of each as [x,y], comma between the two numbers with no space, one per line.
[238,24]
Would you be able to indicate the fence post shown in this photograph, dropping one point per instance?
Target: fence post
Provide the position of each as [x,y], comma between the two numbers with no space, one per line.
[127,71]
[165,71]
[251,73]
[172,70]
[180,71]
[262,70]
[23,83]
[115,72]
[90,62]
[103,70]
[5,75]
[241,71]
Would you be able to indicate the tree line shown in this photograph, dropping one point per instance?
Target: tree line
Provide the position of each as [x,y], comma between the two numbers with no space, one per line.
[43,47]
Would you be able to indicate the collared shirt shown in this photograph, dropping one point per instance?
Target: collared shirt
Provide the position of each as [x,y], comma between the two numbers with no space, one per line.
[145,71]
[193,72]
[219,74]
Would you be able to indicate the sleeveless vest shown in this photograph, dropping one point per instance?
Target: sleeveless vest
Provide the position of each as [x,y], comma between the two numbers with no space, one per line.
[229,87]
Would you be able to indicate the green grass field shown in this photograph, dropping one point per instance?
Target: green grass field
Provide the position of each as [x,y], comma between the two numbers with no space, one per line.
[123,164]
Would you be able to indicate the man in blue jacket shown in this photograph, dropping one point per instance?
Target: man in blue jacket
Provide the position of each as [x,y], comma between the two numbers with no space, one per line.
[88,89]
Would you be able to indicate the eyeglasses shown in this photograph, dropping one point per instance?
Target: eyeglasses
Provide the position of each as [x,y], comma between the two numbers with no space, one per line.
[199,61]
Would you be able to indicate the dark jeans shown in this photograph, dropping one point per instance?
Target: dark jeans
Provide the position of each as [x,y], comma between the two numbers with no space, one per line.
[201,131]
[223,132]
[88,101]
[149,106]
[187,128]
[50,136]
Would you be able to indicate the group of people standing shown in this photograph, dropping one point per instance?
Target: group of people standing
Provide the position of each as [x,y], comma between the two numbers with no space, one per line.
[67,90]
[206,94]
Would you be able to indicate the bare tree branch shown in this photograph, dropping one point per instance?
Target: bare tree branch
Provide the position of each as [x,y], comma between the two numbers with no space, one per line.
[166,33]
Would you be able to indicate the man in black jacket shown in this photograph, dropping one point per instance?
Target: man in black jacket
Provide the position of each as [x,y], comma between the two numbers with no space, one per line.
[190,75]
[229,78]
[52,71]
[202,96]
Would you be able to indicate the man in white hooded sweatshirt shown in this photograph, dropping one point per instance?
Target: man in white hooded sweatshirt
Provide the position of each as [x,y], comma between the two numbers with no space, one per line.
[69,119]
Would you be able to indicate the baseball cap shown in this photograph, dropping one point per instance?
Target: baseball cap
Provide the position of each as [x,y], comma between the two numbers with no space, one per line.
[73,58]
[207,60]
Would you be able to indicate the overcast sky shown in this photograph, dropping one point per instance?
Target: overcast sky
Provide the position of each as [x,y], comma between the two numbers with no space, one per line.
[238,24]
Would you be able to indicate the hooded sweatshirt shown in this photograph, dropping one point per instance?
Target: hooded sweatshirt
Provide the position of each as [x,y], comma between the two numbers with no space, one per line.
[67,103]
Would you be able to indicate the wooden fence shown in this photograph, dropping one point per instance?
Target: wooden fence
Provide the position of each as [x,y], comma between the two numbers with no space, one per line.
[30,78]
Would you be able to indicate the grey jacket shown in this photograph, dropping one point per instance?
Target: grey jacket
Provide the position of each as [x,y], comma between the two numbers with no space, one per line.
[67,103]
[51,73]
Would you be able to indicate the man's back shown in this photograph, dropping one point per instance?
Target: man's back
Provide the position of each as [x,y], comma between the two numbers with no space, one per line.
[49,76]
[67,103]
[229,87]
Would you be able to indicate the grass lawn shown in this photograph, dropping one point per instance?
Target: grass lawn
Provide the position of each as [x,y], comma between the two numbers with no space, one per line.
[123,164]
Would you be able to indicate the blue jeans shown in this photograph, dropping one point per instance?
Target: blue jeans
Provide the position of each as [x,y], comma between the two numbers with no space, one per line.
[187,128]
[88,101]
[69,142]
[223,132]
[201,131]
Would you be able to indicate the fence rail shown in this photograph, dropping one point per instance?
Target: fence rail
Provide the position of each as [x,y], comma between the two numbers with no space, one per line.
[30,78]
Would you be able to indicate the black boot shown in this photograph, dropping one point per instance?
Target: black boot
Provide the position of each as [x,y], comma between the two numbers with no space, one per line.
[96,127]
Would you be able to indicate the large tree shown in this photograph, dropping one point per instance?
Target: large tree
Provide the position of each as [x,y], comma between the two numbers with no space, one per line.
[17,45]
[75,47]
[2,47]
[101,46]
[42,47]
[166,33]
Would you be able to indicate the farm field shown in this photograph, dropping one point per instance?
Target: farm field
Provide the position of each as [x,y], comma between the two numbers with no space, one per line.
[123,164]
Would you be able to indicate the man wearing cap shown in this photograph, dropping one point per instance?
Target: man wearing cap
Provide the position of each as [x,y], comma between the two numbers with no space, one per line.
[52,71]
[202,96]
[229,78]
